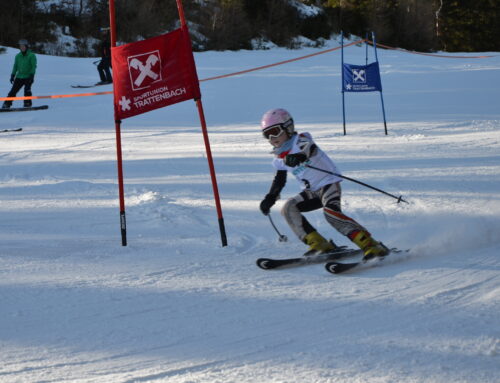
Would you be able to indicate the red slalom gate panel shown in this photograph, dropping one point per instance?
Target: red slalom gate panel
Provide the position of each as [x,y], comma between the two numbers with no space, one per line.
[153,73]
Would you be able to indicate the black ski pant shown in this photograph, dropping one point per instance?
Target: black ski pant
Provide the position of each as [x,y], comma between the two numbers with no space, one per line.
[16,87]
[103,69]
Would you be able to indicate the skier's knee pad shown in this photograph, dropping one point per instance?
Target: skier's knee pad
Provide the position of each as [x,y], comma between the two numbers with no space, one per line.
[290,207]
[294,218]
[285,210]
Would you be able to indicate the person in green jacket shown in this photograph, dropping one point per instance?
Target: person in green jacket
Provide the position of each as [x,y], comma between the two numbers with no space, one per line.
[23,74]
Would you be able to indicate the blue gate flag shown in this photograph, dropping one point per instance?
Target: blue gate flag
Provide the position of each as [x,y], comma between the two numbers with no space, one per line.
[362,78]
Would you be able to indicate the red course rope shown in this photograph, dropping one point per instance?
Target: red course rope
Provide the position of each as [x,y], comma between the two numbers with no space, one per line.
[257,68]
[430,54]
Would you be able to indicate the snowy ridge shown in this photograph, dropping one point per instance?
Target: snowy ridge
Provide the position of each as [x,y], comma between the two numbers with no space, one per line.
[306,10]
[174,306]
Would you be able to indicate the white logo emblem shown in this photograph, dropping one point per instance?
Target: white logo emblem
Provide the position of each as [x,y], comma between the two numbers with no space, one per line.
[143,69]
[125,103]
[359,75]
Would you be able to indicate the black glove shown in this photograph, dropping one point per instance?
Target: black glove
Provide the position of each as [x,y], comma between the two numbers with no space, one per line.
[12,78]
[293,160]
[267,203]
[31,79]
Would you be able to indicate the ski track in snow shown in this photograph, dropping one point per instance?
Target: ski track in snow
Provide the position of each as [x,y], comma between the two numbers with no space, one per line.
[173,306]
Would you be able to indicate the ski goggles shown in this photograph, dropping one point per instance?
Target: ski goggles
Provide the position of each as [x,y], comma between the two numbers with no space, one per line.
[273,131]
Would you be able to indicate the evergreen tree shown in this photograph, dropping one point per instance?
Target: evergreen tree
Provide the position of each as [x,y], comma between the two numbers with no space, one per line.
[470,25]
[22,20]
[423,25]
[226,25]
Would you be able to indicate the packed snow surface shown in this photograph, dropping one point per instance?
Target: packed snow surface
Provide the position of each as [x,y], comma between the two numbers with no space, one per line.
[175,306]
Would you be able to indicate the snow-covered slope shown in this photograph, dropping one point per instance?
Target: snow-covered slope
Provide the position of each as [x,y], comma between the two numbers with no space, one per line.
[174,306]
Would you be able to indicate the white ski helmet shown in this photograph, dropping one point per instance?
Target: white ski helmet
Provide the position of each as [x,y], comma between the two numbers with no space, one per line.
[277,118]
[23,42]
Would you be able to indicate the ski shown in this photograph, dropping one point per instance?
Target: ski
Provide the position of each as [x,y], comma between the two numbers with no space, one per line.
[88,86]
[25,109]
[335,267]
[340,252]
[11,130]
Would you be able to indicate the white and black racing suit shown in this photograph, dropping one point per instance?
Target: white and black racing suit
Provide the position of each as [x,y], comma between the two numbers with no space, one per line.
[320,189]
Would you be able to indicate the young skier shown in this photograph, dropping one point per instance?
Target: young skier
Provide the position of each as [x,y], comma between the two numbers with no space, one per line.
[293,152]
[23,74]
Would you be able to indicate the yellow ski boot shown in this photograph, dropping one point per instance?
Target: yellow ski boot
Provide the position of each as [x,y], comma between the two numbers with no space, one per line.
[317,244]
[370,247]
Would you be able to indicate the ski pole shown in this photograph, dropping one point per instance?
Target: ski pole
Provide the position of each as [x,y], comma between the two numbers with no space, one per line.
[400,198]
[282,237]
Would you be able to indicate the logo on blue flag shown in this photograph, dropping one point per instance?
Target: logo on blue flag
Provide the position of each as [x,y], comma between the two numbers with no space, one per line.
[362,78]
[359,75]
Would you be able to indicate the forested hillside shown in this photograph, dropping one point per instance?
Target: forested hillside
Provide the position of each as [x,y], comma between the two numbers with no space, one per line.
[71,27]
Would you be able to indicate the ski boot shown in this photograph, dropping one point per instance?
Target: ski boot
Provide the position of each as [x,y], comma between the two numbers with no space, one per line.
[317,244]
[6,105]
[370,247]
[27,104]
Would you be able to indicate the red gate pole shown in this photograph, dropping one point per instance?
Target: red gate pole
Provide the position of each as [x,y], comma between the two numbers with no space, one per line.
[207,145]
[123,222]
[222,228]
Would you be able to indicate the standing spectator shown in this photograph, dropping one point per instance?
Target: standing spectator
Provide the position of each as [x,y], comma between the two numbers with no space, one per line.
[105,64]
[23,74]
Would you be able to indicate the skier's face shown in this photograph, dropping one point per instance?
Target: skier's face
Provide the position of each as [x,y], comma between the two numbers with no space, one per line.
[23,48]
[276,135]
[278,141]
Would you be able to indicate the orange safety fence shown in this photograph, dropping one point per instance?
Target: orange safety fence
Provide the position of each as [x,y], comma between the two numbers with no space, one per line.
[283,62]
[54,96]
[206,79]
[254,69]
[429,54]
